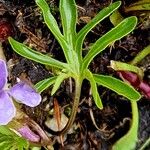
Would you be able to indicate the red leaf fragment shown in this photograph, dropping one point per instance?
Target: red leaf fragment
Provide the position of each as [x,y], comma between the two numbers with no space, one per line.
[6,30]
[132,78]
[136,82]
[145,88]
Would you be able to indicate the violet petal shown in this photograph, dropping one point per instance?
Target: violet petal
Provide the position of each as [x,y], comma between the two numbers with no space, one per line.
[28,134]
[7,108]
[3,74]
[23,93]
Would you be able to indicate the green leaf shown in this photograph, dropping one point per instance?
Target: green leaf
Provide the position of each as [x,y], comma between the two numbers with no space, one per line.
[97,99]
[121,30]
[3,138]
[58,81]
[44,84]
[10,140]
[22,143]
[5,145]
[6,131]
[139,6]
[120,66]
[49,19]
[53,26]
[87,28]
[75,65]
[128,142]
[68,18]
[116,18]
[27,52]
[68,13]
[141,55]
[118,86]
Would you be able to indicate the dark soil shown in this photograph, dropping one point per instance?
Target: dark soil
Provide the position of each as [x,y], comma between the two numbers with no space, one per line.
[114,120]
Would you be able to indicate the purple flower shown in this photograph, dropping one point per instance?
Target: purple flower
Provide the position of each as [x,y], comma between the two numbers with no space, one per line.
[21,92]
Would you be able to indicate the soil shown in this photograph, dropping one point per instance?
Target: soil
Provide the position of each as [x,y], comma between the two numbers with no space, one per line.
[114,120]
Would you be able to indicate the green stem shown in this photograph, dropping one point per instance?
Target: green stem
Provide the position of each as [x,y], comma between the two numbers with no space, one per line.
[141,55]
[74,107]
[135,119]
[74,110]
[131,137]
[147,143]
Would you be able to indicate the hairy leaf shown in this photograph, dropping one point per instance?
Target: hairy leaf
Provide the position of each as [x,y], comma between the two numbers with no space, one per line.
[10,140]
[120,66]
[68,18]
[121,30]
[98,18]
[53,26]
[6,131]
[58,81]
[27,52]
[44,84]
[118,86]
[49,19]
[97,99]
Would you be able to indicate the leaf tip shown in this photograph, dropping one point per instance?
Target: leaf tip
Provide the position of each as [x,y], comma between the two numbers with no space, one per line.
[10,39]
[53,91]
[118,3]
